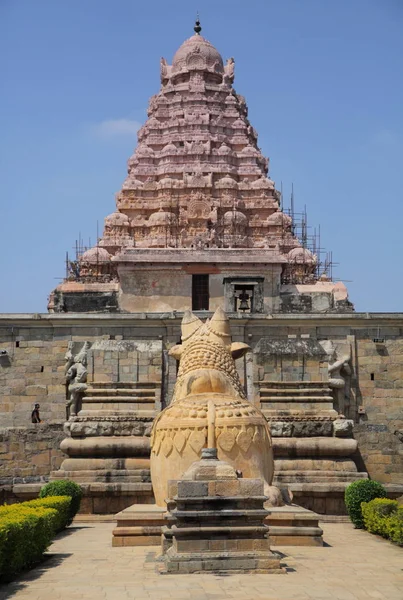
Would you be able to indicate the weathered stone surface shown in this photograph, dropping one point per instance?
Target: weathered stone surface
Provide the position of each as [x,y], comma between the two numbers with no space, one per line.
[281,428]
[28,454]
[208,384]
[374,430]
[312,428]
[191,488]
[198,191]
[217,525]
[343,427]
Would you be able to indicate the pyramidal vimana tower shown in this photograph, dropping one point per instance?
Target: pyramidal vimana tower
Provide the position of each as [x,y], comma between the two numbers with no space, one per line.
[198,221]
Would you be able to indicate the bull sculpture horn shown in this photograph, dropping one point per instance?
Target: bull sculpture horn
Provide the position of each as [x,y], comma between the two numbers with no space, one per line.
[219,324]
[190,324]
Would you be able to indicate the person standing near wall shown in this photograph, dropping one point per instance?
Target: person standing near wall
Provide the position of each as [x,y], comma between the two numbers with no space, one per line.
[35,418]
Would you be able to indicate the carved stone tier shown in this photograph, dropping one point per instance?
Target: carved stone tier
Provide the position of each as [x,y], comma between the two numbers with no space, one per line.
[105,398]
[216,522]
[109,438]
[301,383]
[296,398]
[197,184]
[141,525]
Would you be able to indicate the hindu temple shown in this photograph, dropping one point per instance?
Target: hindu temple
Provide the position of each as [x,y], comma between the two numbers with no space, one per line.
[198,221]
[201,248]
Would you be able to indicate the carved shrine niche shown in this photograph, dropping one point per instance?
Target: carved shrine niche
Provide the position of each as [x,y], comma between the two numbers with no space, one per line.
[199,206]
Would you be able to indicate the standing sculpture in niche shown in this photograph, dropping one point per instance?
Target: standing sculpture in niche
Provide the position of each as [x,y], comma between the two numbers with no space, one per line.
[207,376]
[76,378]
[339,372]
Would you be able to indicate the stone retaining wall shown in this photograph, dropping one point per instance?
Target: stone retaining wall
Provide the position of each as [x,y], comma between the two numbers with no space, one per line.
[32,370]
[29,454]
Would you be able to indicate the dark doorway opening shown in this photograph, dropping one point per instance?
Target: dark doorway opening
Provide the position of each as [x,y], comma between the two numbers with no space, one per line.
[200,292]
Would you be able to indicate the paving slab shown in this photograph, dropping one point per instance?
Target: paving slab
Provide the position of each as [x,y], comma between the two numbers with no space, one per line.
[81,564]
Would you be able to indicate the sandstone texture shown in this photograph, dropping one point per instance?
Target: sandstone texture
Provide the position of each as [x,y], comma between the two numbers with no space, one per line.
[372,398]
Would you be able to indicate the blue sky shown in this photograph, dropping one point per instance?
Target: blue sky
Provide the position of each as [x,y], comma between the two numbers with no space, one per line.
[323,82]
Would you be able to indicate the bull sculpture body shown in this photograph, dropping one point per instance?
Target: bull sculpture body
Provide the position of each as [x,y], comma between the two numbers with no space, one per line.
[207,378]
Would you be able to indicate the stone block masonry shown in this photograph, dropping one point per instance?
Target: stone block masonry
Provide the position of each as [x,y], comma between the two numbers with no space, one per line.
[33,371]
[28,454]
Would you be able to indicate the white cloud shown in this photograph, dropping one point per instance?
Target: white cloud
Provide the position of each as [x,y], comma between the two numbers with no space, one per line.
[385,137]
[117,127]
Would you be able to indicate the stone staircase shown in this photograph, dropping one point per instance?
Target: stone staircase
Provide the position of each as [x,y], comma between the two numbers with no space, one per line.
[308,456]
[108,447]
[279,398]
[142,397]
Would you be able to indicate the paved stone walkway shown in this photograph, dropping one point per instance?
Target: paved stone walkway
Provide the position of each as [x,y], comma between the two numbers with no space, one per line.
[82,564]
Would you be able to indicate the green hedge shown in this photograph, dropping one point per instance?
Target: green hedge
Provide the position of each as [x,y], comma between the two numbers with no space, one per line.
[27,530]
[363,490]
[396,527]
[64,487]
[59,503]
[384,517]
[376,515]
[25,534]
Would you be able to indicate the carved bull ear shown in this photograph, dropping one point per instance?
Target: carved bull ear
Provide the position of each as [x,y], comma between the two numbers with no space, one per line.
[239,349]
[176,351]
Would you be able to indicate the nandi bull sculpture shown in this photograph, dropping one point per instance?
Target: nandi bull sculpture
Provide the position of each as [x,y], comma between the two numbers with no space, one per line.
[208,383]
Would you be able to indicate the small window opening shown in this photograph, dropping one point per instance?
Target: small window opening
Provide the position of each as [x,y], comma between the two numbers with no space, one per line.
[42,369]
[200,292]
[372,376]
[17,344]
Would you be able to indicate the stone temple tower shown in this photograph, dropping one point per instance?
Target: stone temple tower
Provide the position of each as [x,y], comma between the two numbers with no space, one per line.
[198,222]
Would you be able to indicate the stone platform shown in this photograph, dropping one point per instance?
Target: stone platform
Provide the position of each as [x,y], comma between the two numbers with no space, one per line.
[141,525]
[81,564]
[98,498]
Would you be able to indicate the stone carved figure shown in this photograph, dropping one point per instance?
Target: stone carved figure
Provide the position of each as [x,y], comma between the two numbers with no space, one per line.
[207,375]
[76,377]
[339,372]
[229,71]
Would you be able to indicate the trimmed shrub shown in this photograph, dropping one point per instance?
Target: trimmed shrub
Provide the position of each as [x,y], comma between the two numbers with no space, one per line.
[376,515]
[363,490]
[395,526]
[64,487]
[25,534]
[59,503]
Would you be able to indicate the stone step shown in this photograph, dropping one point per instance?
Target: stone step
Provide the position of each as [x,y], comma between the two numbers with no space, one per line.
[312,477]
[315,447]
[141,525]
[117,399]
[95,477]
[296,412]
[299,384]
[124,384]
[118,392]
[111,411]
[225,514]
[291,390]
[106,447]
[303,408]
[288,398]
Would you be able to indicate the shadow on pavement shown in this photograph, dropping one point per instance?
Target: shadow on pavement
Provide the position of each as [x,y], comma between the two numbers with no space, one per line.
[22,580]
[69,530]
